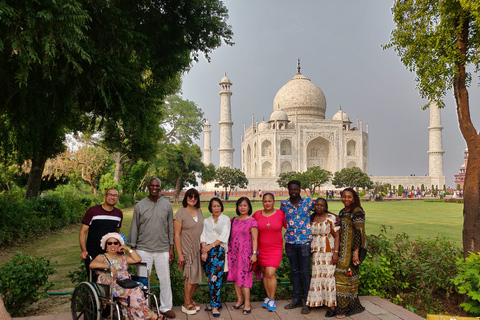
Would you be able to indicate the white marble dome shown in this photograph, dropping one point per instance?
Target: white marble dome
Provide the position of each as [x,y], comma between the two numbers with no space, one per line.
[301,95]
[341,115]
[225,79]
[278,115]
[262,126]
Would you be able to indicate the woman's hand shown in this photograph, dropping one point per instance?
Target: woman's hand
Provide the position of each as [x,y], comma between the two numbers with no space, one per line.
[181,260]
[253,259]
[207,248]
[204,256]
[114,272]
[335,258]
[355,260]
[123,249]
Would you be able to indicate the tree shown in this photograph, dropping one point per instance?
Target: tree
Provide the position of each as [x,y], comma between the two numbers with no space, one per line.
[110,73]
[438,40]
[352,177]
[180,163]
[208,173]
[285,177]
[230,178]
[314,177]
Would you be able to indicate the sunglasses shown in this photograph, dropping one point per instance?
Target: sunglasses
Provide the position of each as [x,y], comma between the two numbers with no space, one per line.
[192,196]
[113,243]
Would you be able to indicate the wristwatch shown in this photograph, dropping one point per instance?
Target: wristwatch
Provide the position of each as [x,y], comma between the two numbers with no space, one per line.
[130,251]
[254,252]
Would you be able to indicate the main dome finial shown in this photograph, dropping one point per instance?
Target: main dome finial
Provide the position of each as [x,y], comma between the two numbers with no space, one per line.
[298,66]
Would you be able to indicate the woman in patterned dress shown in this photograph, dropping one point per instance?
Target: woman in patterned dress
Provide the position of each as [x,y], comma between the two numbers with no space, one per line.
[352,238]
[187,228]
[242,253]
[214,239]
[117,261]
[325,246]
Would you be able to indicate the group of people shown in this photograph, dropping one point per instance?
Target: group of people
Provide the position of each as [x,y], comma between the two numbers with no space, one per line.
[249,244]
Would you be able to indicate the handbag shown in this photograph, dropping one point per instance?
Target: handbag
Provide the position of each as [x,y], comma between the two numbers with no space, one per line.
[127,283]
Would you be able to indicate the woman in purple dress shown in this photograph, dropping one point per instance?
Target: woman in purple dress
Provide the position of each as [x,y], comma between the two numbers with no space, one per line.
[242,253]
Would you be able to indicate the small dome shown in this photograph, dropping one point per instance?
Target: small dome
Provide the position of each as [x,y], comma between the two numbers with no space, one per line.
[262,126]
[342,116]
[206,123]
[463,166]
[278,115]
[225,79]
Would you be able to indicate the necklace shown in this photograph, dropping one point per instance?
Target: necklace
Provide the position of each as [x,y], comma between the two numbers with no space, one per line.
[268,222]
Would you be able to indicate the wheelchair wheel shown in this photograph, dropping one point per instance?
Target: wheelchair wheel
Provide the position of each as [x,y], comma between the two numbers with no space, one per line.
[85,304]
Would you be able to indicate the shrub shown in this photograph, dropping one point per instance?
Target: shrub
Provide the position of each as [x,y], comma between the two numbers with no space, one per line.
[467,281]
[415,274]
[23,281]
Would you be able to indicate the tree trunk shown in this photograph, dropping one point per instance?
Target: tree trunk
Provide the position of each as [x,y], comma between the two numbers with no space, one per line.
[117,157]
[35,176]
[177,188]
[471,206]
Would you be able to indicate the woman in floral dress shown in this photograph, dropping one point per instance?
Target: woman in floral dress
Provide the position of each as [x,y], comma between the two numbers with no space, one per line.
[116,260]
[242,253]
[324,249]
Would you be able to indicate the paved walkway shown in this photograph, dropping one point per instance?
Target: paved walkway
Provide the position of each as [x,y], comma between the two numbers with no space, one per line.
[376,308]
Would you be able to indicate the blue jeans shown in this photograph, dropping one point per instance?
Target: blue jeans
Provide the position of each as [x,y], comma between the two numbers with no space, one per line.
[299,256]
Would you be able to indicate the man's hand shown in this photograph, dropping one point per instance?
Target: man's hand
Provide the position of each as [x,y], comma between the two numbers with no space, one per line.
[171,255]
[84,255]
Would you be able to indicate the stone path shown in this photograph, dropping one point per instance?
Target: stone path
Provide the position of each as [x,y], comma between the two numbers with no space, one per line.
[376,308]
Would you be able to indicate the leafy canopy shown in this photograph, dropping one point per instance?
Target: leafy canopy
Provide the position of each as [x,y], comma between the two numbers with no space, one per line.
[351,177]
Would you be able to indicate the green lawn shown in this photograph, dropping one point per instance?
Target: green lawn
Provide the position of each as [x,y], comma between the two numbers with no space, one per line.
[417,219]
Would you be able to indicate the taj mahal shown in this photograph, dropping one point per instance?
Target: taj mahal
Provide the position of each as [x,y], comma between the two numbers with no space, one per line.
[297,136]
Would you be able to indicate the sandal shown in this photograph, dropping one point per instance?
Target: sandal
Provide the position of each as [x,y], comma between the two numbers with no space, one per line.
[208,308]
[189,309]
[235,307]
[197,306]
[341,316]
[247,311]
[215,312]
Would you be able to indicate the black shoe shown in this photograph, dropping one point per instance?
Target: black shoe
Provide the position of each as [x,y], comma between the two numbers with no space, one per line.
[330,313]
[306,309]
[294,304]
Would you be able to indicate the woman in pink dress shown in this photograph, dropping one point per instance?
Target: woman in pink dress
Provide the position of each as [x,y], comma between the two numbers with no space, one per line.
[242,253]
[270,244]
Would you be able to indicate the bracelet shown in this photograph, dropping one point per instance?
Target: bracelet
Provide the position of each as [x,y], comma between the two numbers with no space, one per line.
[130,251]
[336,251]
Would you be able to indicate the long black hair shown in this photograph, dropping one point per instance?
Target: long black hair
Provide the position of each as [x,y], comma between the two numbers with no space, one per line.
[240,200]
[356,199]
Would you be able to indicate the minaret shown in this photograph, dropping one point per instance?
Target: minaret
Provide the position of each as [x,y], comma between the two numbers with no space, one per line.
[435,147]
[207,143]
[226,141]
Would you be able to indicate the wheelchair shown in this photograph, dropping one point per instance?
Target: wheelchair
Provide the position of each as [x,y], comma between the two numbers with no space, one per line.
[95,301]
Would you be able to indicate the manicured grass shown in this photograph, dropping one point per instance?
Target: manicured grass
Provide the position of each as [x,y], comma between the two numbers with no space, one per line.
[416,218]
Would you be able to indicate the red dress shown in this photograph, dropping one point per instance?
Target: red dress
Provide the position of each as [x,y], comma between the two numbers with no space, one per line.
[270,238]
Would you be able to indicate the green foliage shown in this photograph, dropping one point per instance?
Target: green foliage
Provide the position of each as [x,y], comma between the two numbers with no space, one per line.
[422,187]
[467,282]
[285,177]
[415,274]
[106,182]
[229,178]
[78,275]
[314,178]
[20,219]
[23,281]
[400,190]
[352,177]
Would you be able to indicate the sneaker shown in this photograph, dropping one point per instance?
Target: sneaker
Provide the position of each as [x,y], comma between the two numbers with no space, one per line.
[272,305]
[265,302]
[294,304]
[169,314]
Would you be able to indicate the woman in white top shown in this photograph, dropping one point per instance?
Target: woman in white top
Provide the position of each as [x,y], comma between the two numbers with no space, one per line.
[214,239]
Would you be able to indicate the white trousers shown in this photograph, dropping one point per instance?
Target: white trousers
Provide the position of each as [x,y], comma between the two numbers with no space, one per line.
[162,267]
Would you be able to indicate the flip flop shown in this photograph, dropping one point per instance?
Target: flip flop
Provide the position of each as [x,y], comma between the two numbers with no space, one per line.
[235,307]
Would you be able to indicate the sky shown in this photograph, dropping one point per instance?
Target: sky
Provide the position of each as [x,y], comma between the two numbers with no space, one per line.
[339,44]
